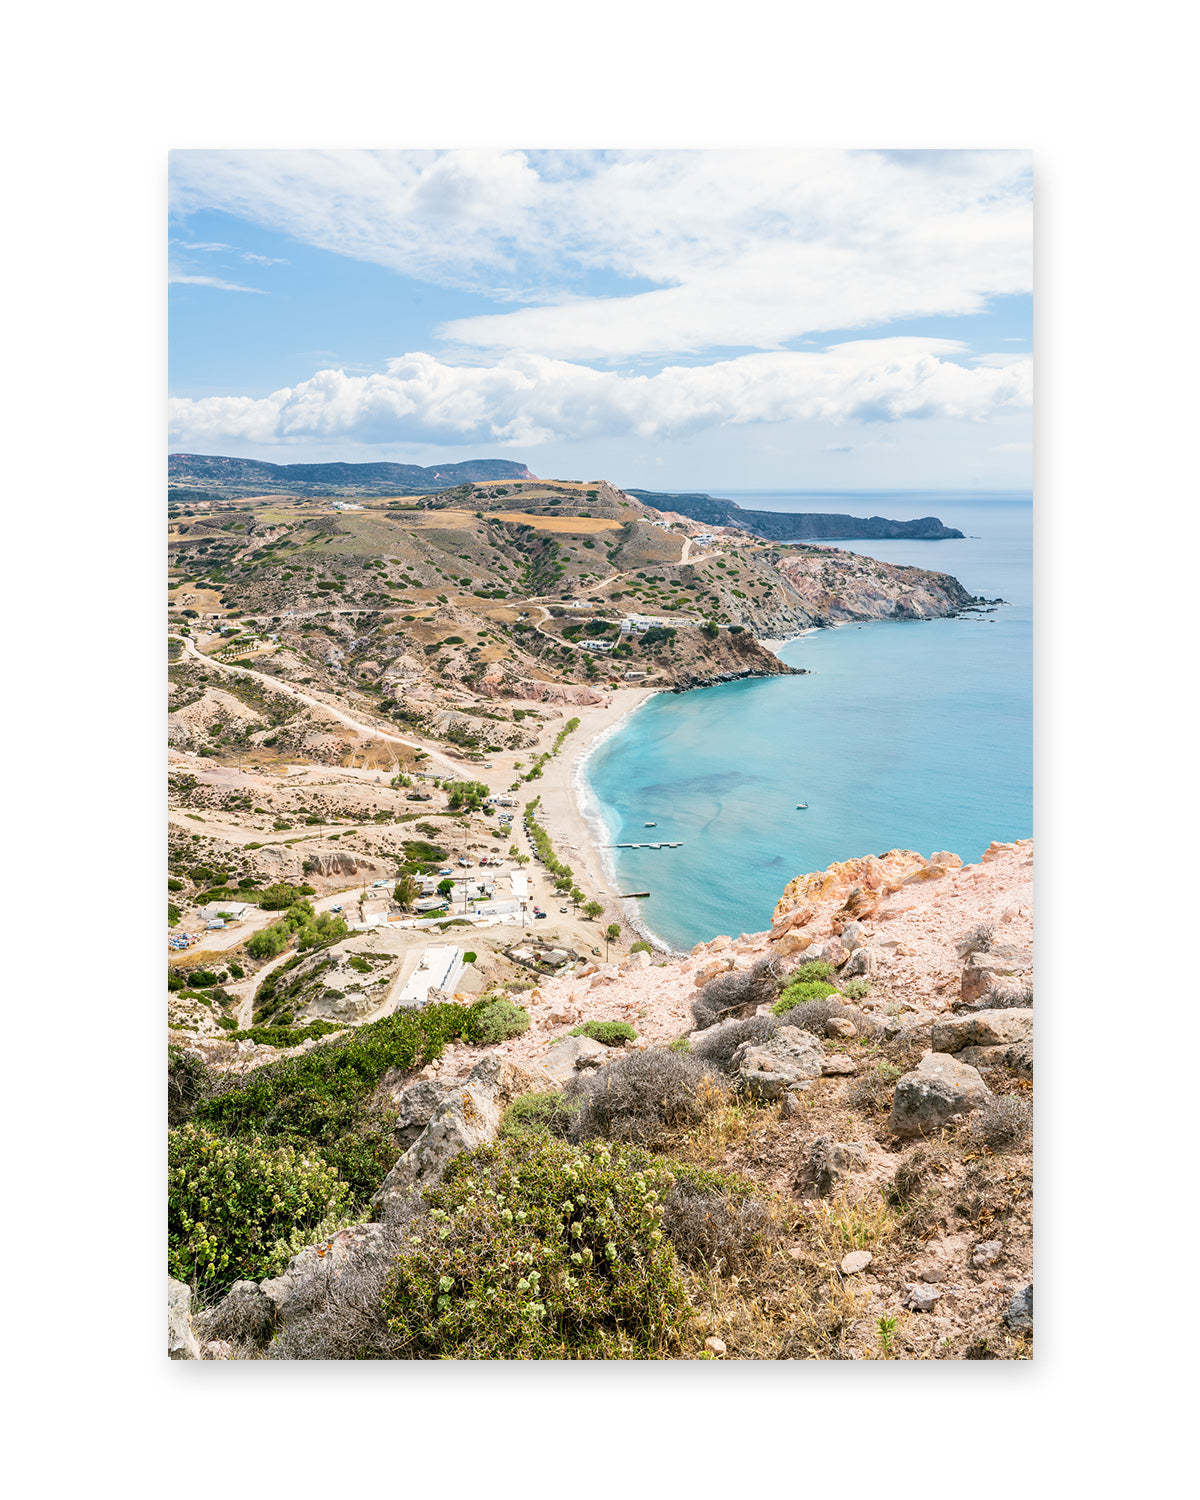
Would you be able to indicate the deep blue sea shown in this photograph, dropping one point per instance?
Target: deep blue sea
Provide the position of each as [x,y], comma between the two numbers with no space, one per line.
[912,735]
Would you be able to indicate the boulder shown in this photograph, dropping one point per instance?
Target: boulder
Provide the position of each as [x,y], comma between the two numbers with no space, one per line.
[415,1108]
[853,935]
[710,970]
[1017,1057]
[573,1053]
[181,1341]
[859,905]
[838,1065]
[986,1253]
[939,1090]
[245,1315]
[464,1118]
[799,940]
[638,960]
[983,1028]
[855,1261]
[770,1069]
[1019,1316]
[317,1269]
[921,1297]
[829,1161]
[983,978]
[863,960]
[839,1026]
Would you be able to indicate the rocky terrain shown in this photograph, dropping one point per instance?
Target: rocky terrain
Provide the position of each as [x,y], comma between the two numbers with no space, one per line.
[863,1070]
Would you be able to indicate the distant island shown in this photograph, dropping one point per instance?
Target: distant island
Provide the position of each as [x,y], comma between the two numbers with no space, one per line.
[794,526]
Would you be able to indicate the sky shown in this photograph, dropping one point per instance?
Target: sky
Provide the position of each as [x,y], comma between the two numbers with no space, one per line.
[701,319]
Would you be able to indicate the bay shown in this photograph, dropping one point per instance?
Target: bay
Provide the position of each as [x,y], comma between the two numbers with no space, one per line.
[907,735]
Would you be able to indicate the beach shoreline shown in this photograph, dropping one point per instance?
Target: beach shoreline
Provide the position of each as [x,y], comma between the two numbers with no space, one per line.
[560,811]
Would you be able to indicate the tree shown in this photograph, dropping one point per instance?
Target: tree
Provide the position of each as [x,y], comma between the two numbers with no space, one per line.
[611,933]
[445,887]
[592,909]
[407,891]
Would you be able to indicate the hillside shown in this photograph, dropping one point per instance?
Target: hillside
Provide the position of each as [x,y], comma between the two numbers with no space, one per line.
[807,1143]
[795,526]
[234,477]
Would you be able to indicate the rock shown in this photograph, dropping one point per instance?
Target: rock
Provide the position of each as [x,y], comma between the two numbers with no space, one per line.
[982,978]
[939,1090]
[415,1109]
[838,1065]
[1018,1058]
[921,1297]
[983,1028]
[313,1271]
[245,1315]
[465,1117]
[859,904]
[1019,1316]
[856,1261]
[586,972]
[638,960]
[769,1069]
[719,944]
[839,1026]
[863,960]
[853,935]
[181,1341]
[714,1346]
[986,1253]
[791,1106]
[217,1349]
[561,1017]
[565,1058]
[829,1161]
[799,940]
[710,971]
[798,917]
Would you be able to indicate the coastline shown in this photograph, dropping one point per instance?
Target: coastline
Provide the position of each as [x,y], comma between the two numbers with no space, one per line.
[562,813]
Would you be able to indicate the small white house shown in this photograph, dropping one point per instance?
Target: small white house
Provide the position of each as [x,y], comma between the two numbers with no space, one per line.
[233,909]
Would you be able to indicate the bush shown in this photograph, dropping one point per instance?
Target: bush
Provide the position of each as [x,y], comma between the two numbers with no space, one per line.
[270,942]
[641,946]
[241,1208]
[1003,1125]
[287,1036]
[500,1019]
[719,1043]
[323,1101]
[322,932]
[718,1221]
[173,914]
[280,897]
[174,885]
[534,1114]
[802,992]
[634,1098]
[611,1033]
[856,989]
[535,1250]
[977,940]
[187,1083]
[202,979]
[736,990]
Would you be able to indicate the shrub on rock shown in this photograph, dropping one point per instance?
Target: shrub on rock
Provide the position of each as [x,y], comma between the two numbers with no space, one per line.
[633,1098]
[611,1033]
[739,989]
[499,1020]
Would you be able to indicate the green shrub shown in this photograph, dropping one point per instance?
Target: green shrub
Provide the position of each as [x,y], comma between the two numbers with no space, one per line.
[187,1083]
[641,946]
[611,1033]
[534,1114]
[174,885]
[533,1249]
[173,914]
[287,1036]
[227,1023]
[237,971]
[806,972]
[202,979]
[856,989]
[469,958]
[270,942]
[323,1099]
[500,1019]
[242,1208]
[279,897]
[360,964]
[325,930]
[799,992]
[680,1044]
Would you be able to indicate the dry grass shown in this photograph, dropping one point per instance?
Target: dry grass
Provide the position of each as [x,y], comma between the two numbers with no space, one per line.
[579,525]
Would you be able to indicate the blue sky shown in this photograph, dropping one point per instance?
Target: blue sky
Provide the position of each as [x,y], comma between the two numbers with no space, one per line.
[671,319]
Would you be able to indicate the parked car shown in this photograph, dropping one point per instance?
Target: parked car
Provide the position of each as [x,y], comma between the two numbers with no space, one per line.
[562,908]
[539,916]
[335,908]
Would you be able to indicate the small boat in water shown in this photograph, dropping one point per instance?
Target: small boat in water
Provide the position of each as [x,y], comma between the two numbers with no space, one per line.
[801,806]
[649,825]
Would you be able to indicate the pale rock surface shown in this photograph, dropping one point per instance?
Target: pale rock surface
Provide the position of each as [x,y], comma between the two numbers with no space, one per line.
[939,1089]
[181,1341]
[856,1261]
[983,1028]
[567,1057]
[768,1070]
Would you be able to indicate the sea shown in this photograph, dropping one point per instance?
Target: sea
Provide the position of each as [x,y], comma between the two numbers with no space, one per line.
[906,735]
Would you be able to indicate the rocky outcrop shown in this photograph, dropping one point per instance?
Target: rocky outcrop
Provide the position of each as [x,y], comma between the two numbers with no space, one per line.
[464,1118]
[572,1055]
[994,979]
[768,1070]
[940,1090]
[983,1028]
[181,1341]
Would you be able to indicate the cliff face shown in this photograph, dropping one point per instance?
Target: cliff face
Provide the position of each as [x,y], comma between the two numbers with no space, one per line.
[835,586]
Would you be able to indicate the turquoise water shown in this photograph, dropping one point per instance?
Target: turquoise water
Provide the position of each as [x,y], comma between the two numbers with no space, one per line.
[908,735]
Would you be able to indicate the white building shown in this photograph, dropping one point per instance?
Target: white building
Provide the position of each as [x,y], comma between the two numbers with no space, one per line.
[438,969]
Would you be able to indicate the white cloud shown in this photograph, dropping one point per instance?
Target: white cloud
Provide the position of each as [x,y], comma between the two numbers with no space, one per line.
[178,278]
[529,399]
[743,248]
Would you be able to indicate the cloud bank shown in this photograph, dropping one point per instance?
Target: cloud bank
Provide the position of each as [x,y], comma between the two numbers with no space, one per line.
[530,399]
[702,250]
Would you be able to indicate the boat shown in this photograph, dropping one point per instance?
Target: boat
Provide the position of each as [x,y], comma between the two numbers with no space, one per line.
[801,806]
[649,825]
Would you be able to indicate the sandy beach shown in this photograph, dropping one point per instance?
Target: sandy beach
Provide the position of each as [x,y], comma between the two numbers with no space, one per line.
[559,812]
